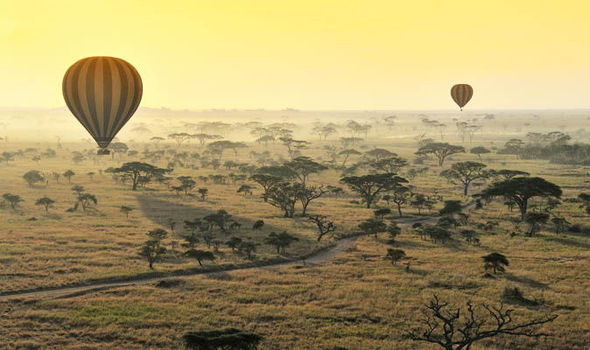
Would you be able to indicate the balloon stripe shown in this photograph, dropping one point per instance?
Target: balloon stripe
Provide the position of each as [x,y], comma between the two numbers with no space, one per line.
[90,84]
[134,101]
[137,93]
[115,96]
[98,93]
[83,96]
[127,103]
[124,94]
[106,96]
[75,85]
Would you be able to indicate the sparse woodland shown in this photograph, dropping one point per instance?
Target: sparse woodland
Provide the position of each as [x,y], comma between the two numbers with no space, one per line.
[475,222]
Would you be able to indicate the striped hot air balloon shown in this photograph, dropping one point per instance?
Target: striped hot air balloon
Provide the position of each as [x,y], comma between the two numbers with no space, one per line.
[102,93]
[461,94]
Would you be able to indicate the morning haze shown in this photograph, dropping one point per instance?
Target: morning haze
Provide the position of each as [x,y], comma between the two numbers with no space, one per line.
[296,175]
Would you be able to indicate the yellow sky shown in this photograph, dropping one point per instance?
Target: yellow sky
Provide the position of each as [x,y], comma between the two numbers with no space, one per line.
[318,54]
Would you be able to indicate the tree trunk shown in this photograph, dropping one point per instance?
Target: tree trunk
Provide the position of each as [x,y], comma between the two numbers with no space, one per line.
[399,210]
[522,208]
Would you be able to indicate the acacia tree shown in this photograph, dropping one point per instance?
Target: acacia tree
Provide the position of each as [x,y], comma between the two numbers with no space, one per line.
[458,329]
[308,194]
[68,175]
[560,224]
[202,137]
[324,225]
[179,137]
[479,150]
[465,173]
[441,150]
[186,184]
[152,249]
[303,167]
[203,192]
[12,199]
[394,255]
[86,200]
[421,201]
[46,202]
[495,262]
[267,182]
[280,241]
[400,195]
[126,209]
[247,247]
[389,165]
[372,226]
[284,196]
[369,187]
[520,189]
[506,174]
[33,176]
[139,171]
[535,220]
[200,255]
[347,153]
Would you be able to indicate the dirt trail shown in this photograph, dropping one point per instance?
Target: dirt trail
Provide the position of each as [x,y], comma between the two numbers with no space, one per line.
[340,246]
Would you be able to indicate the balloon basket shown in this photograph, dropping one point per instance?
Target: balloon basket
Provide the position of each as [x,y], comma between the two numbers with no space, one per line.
[103,152]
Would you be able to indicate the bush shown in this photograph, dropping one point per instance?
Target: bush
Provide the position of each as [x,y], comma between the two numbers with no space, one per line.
[229,338]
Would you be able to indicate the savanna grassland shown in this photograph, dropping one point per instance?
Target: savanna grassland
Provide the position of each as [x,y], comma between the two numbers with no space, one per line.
[356,300]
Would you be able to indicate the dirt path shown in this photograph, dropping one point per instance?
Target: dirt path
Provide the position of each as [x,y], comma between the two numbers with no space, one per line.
[340,246]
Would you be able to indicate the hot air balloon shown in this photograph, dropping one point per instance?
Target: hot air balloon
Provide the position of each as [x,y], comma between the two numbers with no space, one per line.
[102,93]
[461,94]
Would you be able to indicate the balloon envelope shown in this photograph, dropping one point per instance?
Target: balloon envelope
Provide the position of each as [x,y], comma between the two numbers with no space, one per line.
[102,93]
[461,94]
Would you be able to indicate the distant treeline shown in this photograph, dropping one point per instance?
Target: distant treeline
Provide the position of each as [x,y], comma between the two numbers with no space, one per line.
[554,146]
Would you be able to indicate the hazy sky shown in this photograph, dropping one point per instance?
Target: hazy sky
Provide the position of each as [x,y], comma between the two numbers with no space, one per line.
[306,54]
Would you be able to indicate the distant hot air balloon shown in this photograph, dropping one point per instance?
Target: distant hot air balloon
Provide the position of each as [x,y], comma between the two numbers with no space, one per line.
[461,94]
[102,93]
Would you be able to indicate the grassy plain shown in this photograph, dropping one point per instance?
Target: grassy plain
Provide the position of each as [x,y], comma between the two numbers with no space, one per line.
[356,301]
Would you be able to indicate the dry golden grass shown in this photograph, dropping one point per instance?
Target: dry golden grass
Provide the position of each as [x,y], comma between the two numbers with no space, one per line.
[357,301]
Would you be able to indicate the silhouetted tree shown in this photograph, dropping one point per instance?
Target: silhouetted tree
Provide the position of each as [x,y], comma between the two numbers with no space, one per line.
[372,226]
[68,175]
[520,189]
[369,187]
[465,173]
[394,255]
[200,255]
[234,243]
[324,225]
[45,202]
[457,330]
[247,247]
[152,249]
[203,192]
[126,210]
[12,199]
[495,262]
[535,220]
[139,171]
[33,177]
[440,150]
[280,241]
[479,150]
